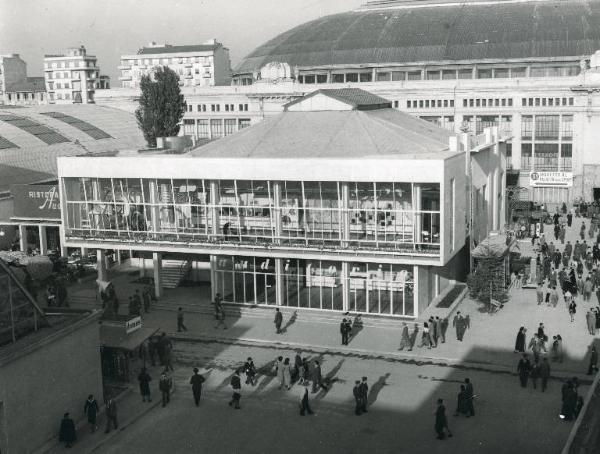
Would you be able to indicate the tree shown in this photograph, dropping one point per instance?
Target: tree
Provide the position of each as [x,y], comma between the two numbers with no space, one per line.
[161,105]
[488,281]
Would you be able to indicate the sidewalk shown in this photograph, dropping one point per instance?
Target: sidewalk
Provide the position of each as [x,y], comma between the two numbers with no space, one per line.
[130,408]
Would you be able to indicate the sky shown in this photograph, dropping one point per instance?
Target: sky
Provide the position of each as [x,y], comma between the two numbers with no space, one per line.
[111,28]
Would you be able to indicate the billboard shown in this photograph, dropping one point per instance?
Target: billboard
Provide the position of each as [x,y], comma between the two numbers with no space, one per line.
[36,201]
[551,179]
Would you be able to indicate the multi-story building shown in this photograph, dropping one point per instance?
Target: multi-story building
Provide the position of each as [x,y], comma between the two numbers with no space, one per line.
[15,87]
[103,82]
[28,92]
[71,77]
[199,65]
[339,203]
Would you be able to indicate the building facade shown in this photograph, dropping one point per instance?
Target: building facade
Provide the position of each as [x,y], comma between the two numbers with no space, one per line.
[339,203]
[200,65]
[71,77]
[12,70]
[29,92]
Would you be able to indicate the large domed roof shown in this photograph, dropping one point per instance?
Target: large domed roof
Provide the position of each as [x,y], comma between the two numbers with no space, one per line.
[425,33]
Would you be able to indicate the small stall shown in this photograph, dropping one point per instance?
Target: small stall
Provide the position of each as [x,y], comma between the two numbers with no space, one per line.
[120,339]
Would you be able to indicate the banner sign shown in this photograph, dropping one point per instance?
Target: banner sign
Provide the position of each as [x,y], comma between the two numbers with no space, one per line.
[36,201]
[133,324]
[551,179]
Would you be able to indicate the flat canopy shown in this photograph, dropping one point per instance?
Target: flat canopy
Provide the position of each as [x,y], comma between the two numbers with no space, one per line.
[115,337]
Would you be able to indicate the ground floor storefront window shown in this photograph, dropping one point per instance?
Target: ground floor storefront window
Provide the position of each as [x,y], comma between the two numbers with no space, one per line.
[249,280]
[315,284]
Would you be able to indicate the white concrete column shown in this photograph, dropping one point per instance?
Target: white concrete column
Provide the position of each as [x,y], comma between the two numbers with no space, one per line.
[213,277]
[43,240]
[279,283]
[516,143]
[495,201]
[157,265]
[345,214]
[277,211]
[101,265]
[214,210]
[417,204]
[142,263]
[23,237]
[345,286]
[118,256]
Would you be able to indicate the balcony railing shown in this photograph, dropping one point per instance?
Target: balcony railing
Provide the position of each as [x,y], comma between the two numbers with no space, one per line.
[546,164]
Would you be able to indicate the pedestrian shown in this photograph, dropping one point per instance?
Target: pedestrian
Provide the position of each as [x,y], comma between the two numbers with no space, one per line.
[305,371]
[593,367]
[67,433]
[591,322]
[542,337]
[544,373]
[572,310]
[534,346]
[217,304]
[560,349]
[534,372]
[180,325]
[520,342]
[144,380]
[287,375]
[364,395]
[350,326]
[196,381]
[439,329]
[278,320]
[569,401]
[317,378]
[425,338]
[236,386]
[111,415]
[344,331]
[356,394]
[91,411]
[460,323]
[279,370]
[405,338]
[523,369]
[164,385]
[433,332]
[250,371]
[167,347]
[462,407]
[441,422]
[470,396]
[539,291]
[444,327]
[147,299]
[304,404]
[587,289]
[220,316]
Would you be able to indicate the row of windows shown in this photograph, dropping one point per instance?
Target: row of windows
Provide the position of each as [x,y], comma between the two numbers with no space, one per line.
[384,75]
[217,107]
[71,64]
[546,127]
[58,85]
[69,75]
[426,103]
[167,61]
[24,96]
[213,128]
[488,102]
[550,102]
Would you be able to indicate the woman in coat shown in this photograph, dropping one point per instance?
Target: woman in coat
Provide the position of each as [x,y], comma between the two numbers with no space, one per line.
[67,432]
[520,342]
[425,340]
[91,410]
[287,374]
[279,370]
[462,406]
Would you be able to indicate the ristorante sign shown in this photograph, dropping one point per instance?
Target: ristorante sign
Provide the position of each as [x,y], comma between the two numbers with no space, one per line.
[551,179]
[36,201]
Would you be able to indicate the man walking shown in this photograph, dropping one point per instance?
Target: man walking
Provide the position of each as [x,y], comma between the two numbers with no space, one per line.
[433,331]
[441,422]
[144,380]
[164,385]
[317,378]
[344,331]
[278,320]
[523,369]
[111,415]
[591,322]
[236,385]
[460,324]
[180,325]
[67,433]
[364,395]
[304,405]
[405,338]
[356,393]
[470,395]
[544,372]
[439,327]
[196,382]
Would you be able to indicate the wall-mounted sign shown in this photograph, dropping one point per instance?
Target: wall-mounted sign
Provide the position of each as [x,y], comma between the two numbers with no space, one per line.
[551,179]
[133,324]
[36,201]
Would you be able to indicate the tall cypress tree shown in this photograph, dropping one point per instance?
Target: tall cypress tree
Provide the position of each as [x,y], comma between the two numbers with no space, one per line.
[161,105]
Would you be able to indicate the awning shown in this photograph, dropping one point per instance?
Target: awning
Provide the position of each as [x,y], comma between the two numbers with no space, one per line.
[492,246]
[117,338]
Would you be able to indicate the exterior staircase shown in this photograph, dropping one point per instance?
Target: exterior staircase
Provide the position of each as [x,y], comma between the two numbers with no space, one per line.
[173,272]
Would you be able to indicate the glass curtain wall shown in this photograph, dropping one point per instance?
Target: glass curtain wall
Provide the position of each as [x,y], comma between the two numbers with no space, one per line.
[547,142]
[312,284]
[247,280]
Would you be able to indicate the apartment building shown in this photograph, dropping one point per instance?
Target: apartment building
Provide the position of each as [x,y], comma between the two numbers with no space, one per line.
[71,77]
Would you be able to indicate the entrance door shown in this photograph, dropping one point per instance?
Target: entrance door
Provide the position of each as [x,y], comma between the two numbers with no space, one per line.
[596,193]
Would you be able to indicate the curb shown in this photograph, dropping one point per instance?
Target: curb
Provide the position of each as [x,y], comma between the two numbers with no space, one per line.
[367,354]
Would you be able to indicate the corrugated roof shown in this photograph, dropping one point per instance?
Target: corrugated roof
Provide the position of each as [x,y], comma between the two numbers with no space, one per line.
[31,84]
[168,49]
[523,30]
[359,99]
[34,160]
[334,134]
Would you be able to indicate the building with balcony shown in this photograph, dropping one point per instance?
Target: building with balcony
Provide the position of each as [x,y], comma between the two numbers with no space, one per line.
[71,77]
[198,65]
[338,203]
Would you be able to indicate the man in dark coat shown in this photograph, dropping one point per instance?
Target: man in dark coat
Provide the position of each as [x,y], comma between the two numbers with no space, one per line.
[144,380]
[356,393]
[111,415]
[344,331]
[236,385]
[278,320]
[433,332]
[544,372]
[523,369]
[363,389]
[91,411]
[470,395]
[67,432]
[405,338]
[441,422]
[164,385]
[317,378]
[569,219]
[460,324]
[304,405]
[196,382]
